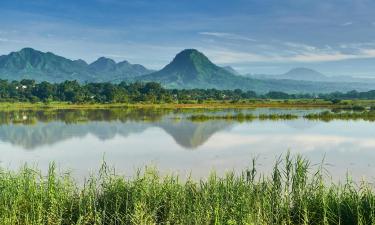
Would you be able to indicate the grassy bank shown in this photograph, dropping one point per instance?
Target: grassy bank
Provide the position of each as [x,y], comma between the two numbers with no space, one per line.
[194,105]
[292,194]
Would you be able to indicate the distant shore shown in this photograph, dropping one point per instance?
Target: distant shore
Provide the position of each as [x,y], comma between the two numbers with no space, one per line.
[308,103]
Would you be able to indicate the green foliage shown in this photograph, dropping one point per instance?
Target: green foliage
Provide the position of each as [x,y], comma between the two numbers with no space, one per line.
[329,116]
[151,92]
[292,194]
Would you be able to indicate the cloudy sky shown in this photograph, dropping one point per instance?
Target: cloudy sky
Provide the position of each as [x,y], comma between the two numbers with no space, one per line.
[336,37]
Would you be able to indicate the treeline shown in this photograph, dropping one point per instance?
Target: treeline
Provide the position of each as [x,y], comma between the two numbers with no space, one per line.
[72,91]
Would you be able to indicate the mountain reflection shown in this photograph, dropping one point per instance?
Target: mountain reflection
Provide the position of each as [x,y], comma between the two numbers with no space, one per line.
[31,129]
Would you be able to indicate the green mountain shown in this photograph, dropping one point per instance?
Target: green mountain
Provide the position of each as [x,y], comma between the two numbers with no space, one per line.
[189,69]
[192,69]
[32,64]
[108,70]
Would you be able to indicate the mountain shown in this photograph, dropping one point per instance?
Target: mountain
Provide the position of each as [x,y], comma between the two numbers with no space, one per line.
[192,69]
[32,64]
[106,68]
[304,74]
[300,74]
[40,66]
[189,69]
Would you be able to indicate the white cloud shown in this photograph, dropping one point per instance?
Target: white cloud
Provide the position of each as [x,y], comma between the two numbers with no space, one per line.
[347,24]
[229,56]
[295,53]
[11,40]
[321,57]
[227,36]
[111,55]
[313,141]
[301,46]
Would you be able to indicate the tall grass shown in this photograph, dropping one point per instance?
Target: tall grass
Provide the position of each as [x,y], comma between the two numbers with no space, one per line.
[292,194]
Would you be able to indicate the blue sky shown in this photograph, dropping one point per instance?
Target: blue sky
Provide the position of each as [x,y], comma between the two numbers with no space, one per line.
[336,37]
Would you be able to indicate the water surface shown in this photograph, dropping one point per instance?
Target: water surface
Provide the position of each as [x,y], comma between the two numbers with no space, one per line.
[78,140]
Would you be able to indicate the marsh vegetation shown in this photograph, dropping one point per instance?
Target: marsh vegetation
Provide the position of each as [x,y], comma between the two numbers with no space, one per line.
[294,193]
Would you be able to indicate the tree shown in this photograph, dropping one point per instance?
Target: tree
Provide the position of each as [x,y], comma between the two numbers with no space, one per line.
[44,91]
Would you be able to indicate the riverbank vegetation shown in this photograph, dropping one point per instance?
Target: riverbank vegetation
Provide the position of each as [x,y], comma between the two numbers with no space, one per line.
[329,116]
[72,92]
[70,116]
[294,193]
[241,117]
[366,115]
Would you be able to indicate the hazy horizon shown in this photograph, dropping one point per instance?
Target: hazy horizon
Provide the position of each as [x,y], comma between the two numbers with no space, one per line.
[258,37]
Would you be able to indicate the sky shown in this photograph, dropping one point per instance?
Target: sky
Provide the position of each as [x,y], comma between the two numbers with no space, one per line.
[335,37]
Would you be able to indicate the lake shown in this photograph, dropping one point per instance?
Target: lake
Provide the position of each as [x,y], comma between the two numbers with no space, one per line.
[128,139]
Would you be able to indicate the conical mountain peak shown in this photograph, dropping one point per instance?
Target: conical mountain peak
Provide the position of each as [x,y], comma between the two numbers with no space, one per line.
[192,68]
[191,56]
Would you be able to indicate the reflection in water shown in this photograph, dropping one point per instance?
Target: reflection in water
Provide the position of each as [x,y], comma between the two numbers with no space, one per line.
[185,133]
[134,138]
[192,135]
[32,129]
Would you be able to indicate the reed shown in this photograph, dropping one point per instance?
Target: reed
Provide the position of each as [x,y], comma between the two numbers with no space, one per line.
[293,193]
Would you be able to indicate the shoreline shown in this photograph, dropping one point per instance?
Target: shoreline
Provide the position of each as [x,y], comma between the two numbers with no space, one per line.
[213,105]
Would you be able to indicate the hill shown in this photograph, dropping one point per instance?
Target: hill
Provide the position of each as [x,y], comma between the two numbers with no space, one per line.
[108,70]
[304,74]
[40,66]
[189,69]
[192,69]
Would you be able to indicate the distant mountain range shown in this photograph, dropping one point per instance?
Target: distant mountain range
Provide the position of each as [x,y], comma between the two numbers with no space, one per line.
[306,74]
[189,69]
[32,64]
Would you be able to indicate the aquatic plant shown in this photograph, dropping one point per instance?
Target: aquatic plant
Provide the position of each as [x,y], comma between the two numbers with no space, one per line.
[328,116]
[242,117]
[293,193]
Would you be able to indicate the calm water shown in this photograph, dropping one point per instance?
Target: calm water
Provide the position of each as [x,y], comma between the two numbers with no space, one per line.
[129,139]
